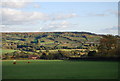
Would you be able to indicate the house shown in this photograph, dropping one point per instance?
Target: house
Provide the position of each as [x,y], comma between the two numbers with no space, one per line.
[33,57]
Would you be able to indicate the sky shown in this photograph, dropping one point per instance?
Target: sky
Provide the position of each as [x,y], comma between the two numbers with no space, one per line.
[95,17]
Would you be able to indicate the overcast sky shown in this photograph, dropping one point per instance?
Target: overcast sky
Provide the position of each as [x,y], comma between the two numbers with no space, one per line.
[95,17]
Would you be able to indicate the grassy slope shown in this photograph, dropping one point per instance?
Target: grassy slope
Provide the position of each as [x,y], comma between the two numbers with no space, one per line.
[7,50]
[49,69]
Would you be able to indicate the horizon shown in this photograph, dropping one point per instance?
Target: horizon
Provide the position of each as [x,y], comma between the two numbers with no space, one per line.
[58,31]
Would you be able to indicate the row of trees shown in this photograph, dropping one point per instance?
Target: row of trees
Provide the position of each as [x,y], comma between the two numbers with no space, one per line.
[42,54]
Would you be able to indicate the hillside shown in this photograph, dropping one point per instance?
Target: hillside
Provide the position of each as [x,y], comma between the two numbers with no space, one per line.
[48,45]
[49,40]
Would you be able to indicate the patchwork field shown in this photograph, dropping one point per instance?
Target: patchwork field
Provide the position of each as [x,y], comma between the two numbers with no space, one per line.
[59,69]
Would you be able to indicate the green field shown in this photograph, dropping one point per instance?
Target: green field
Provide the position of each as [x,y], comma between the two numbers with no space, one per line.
[7,50]
[59,69]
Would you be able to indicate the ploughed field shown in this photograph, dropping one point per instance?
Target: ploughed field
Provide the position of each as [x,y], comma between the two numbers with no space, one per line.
[59,69]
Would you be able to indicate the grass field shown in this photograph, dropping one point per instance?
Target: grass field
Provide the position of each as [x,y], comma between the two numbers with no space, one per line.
[7,50]
[59,69]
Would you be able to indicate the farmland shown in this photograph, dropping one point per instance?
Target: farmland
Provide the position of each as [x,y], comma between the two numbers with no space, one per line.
[59,55]
[58,45]
[59,69]
[21,45]
[48,40]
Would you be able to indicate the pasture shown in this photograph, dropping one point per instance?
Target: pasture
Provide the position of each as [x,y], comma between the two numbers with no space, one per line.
[7,51]
[59,69]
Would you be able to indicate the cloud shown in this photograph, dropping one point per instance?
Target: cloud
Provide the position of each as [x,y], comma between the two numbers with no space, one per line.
[113,30]
[19,17]
[36,6]
[12,14]
[5,28]
[14,3]
[14,17]
[108,12]
[2,26]
[16,28]
[53,26]
[98,14]
[113,12]
[64,16]
[101,15]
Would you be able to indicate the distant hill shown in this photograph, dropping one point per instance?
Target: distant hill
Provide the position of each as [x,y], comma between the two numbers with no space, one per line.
[57,45]
[50,40]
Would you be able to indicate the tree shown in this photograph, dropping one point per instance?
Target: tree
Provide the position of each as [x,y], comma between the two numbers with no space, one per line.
[43,56]
[108,46]
[7,56]
[50,56]
[91,53]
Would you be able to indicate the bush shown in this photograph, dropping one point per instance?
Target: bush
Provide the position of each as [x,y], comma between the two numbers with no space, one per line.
[91,53]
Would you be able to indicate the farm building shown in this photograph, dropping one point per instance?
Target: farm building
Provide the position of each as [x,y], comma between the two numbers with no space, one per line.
[33,57]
